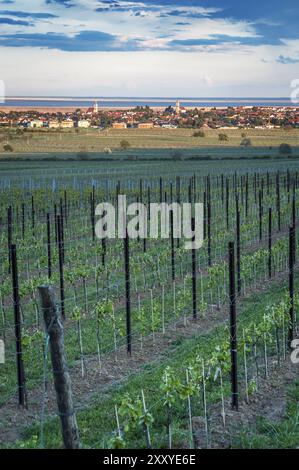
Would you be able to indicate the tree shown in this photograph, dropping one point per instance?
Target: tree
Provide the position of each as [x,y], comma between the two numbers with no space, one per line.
[169,110]
[223,137]
[199,134]
[177,155]
[7,148]
[246,142]
[82,155]
[199,121]
[124,144]
[105,121]
[285,149]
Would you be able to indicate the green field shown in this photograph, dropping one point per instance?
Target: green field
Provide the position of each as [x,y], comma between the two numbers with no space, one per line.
[178,351]
[94,140]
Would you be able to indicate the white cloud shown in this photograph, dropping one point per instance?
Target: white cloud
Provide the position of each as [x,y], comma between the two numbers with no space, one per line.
[51,72]
[212,70]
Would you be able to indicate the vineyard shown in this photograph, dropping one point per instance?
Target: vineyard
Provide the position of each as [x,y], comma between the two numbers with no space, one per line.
[165,347]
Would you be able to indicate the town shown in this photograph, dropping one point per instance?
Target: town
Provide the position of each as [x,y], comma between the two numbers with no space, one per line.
[145,117]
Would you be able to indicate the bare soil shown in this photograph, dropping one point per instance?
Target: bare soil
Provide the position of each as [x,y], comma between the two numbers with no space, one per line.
[269,402]
[113,370]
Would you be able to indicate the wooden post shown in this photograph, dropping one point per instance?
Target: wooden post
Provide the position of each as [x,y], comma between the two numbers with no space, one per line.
[291,285]
[288,182]
[239,282]
[104,249]
[61,270]
[23,220]
[9,235]
[227,203]
[172,246]
[294,219]
[246,196]
[222,188]
[278,200]
[49,246]
[178,199]
[193,252]
[65,207]
[209,231]
[128,294]
[62,229]
[56,226]
[32,216]
[161,190]
[92,212]
[233,327]
[270,244]
[260,215]
[204,215]
[18,329]
[62,381]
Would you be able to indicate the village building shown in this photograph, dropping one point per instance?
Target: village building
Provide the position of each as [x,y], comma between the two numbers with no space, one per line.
[36,123]
[54,124]
[93,110]
[242,117]
[119,125]
[5,122]
[83,123]
[67,124]
[145,125]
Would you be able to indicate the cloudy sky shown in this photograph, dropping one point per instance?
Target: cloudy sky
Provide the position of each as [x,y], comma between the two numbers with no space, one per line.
[199,48]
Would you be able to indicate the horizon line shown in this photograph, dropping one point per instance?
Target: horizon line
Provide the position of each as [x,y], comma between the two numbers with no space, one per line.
[139,97]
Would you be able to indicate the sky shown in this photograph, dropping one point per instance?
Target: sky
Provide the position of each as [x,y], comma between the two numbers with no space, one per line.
[161,48]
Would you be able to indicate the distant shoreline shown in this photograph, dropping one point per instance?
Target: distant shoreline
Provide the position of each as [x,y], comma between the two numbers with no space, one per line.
[66,109]
[69,104]
[145,98]
[71,109]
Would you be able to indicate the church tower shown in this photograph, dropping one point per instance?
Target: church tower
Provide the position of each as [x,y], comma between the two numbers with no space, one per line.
[96,107]
[177,107]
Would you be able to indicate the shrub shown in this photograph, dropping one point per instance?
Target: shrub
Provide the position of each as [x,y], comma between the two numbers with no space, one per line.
[243,135]
[7,148]
[124,144]
[177,155]
[223,137]
[285,149]
[199,134]
[82,155]
[246,142]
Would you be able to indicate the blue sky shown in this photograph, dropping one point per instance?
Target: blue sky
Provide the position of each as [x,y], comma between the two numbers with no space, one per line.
[149,47]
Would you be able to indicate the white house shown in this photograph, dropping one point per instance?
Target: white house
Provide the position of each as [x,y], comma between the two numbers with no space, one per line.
[36,123]
[83,123]
[67,124]
[54,124]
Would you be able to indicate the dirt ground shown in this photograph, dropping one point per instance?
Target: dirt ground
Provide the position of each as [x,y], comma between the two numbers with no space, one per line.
[269,401]
[114,369]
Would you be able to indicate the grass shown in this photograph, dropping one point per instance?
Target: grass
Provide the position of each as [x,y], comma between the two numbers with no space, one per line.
[96,422]
[282,435]
[94,140]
